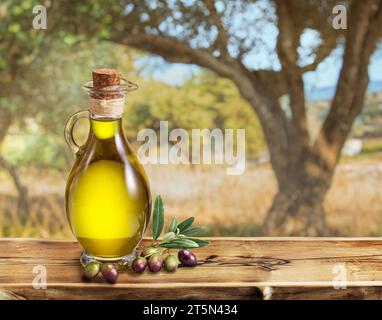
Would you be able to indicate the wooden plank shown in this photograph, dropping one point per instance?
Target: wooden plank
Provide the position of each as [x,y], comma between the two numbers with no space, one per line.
[229,268]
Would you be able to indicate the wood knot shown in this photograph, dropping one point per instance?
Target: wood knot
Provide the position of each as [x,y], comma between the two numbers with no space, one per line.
[265,263]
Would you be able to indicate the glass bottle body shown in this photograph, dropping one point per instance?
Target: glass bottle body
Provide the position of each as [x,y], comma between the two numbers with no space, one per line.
[107,196]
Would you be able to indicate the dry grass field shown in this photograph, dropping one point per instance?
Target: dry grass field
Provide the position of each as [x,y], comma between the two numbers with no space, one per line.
[225,205]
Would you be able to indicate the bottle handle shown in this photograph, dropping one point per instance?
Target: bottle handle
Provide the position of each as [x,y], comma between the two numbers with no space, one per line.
[69,127]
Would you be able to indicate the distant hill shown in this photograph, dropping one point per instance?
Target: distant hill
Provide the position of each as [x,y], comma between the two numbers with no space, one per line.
[327,93]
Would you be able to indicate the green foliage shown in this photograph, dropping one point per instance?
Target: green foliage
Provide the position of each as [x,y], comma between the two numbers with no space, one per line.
[180,244]
[205,101]
[39,150]
[193,231]
[18,40]
[158,217]
[42,72]
[176,237]
[47,94]
[184,225]
[173,225]
[51,91]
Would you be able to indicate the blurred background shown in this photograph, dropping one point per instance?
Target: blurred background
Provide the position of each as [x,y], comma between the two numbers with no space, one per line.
[202,64]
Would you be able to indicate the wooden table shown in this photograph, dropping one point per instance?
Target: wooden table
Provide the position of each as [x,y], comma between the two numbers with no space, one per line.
[229,268]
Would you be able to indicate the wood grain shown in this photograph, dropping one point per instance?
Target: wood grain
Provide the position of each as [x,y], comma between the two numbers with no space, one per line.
[229,268]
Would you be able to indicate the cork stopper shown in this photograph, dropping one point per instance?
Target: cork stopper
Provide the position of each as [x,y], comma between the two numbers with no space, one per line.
[107,92]
[104,78]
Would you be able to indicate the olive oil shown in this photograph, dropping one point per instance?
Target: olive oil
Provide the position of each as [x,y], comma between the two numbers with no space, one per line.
[108,199]
[107,194]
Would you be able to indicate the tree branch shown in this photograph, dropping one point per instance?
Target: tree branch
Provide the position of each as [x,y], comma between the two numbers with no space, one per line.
[361,41]
[323,51]
[288,40]
[174,50]
[287,44]
[374,34]
[222,38]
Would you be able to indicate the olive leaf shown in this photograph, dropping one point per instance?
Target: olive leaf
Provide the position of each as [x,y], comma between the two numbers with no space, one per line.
[180,244]
[199,242]
[173,224]
[168,236]
[185,224]
[192,231]
[158,217]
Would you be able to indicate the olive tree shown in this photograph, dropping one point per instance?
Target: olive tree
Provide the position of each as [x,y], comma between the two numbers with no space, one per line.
[222,36]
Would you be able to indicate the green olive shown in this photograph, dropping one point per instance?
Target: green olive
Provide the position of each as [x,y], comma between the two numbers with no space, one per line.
[171,262]
[91,270]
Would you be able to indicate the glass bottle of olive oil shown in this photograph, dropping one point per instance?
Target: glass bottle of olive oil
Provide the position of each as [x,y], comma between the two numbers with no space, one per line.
[108,200]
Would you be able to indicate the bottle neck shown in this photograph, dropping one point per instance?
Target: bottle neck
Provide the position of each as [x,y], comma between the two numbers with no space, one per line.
[105,127]
[106,107]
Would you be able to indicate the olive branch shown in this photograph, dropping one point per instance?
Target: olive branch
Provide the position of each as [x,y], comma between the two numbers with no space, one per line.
[179,235]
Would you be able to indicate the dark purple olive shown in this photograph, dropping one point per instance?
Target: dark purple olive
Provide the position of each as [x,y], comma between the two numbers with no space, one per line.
[155,263]
[109,272]
[91,270]
[171,262]
[187,258]
[139,265]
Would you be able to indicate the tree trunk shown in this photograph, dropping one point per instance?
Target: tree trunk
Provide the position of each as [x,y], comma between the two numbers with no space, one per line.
[298,207]
[298,210]
[22,203]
